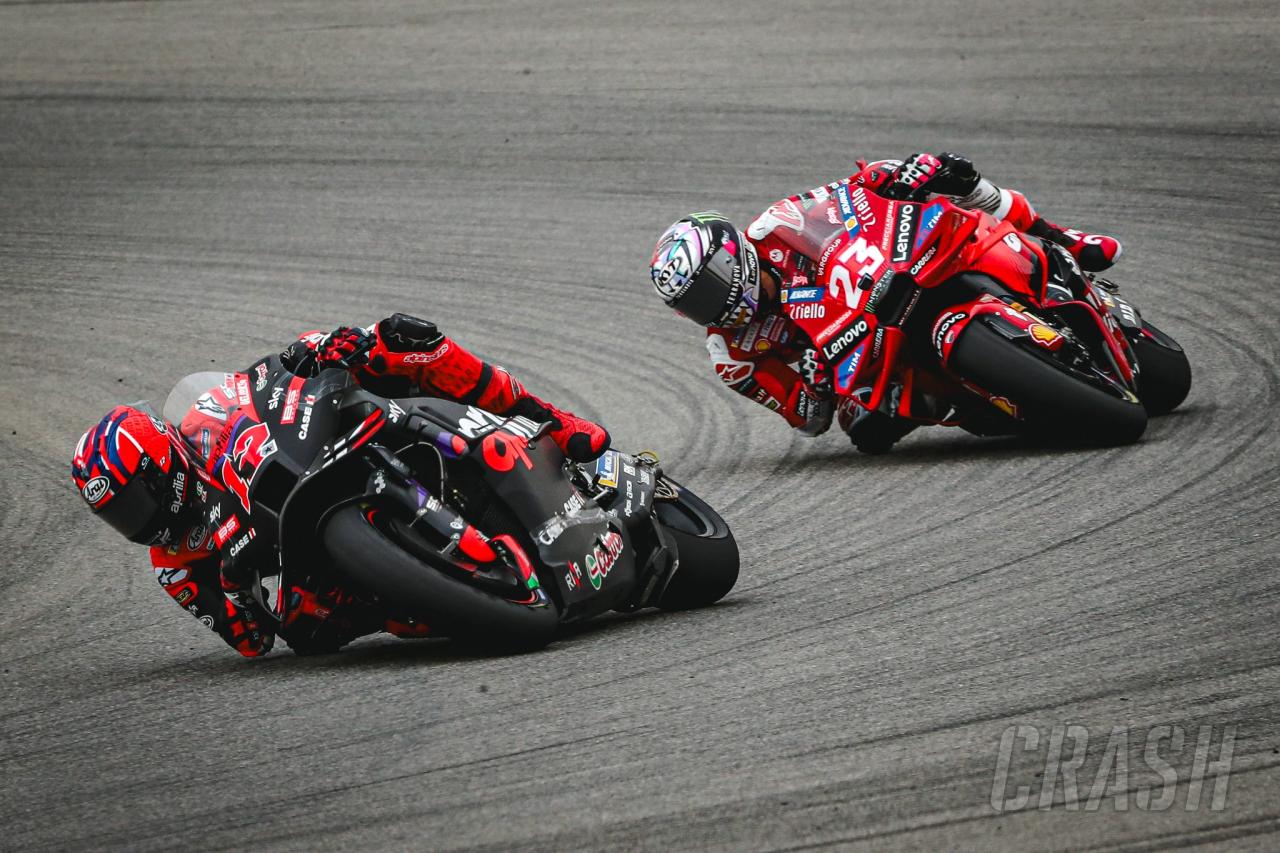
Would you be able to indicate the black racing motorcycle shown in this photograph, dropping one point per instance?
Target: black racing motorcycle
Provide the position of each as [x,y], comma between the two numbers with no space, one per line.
[378,495]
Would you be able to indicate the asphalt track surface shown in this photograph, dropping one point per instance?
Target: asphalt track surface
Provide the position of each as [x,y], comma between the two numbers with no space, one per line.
[186,184]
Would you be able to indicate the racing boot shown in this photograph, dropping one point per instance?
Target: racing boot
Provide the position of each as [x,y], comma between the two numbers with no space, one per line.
[873,433]
[580,439]
[876,433]
[1093,252]
[311,625]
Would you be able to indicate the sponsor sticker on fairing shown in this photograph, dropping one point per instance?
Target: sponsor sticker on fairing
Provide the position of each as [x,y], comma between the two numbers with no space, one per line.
[801,294]
[928,221]
[842,198]
[924,259]
[1043,335]
[291,400]
[862,207]
[226,531]
[851,211]
[942,332]
[807,312]
[244,540]
[601,560]
[826,256]
[847,337]
[1005,405]
[878,290]
[904,232]
[607,470]
[848,369]
[308,405]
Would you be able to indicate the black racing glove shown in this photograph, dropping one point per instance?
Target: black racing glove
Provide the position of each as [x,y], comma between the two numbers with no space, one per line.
[911,180]
[345,347]
[816,412]
[920,174]
[299,358]
[817,375]
[404,339]
[958,176]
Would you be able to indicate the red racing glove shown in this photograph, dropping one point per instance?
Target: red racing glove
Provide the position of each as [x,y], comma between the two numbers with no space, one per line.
[345,347]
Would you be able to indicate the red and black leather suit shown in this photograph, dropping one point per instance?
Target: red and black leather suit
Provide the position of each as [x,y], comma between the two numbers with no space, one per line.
[207,566]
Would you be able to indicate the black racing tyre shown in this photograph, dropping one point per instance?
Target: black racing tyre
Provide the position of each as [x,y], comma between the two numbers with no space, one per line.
[706,550]
[1053,403]
[1164,373]
[364,554]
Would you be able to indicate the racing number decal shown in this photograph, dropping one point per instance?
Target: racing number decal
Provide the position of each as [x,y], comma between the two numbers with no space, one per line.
[252,446]
[502,451]
[841,278]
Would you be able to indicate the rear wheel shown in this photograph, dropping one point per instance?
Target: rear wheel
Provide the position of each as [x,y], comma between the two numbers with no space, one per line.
[1164,373]
[1052,402]
[707,552]
[366,556]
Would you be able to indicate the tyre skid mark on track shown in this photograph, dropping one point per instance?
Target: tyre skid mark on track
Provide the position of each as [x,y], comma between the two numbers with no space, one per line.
[220,822]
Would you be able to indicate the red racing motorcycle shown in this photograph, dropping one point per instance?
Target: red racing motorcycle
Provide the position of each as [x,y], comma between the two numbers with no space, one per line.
[941,315]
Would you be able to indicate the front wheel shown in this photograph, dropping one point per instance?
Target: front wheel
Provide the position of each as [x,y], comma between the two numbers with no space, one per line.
[364,554]
[705,548]
[1164,373]
[1050,400]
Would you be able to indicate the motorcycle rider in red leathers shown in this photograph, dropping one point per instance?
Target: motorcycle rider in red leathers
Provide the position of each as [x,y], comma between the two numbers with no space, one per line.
[707,270]
[180,491]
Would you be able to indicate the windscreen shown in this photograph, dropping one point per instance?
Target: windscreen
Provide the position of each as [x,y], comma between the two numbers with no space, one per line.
[187,391]
[806,227]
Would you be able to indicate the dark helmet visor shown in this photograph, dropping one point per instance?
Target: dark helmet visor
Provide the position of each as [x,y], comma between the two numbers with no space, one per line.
[135,513]
[715,292]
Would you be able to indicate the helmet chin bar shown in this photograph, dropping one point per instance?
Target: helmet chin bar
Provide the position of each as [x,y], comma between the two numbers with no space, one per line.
[747,279]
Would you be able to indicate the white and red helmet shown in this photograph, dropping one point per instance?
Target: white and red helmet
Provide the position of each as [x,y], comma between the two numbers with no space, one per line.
[707,271]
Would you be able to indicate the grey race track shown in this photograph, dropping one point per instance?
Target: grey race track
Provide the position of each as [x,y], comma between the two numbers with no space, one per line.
[193,183]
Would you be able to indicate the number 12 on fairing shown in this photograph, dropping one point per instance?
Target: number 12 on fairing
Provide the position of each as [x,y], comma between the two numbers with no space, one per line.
[870,259]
